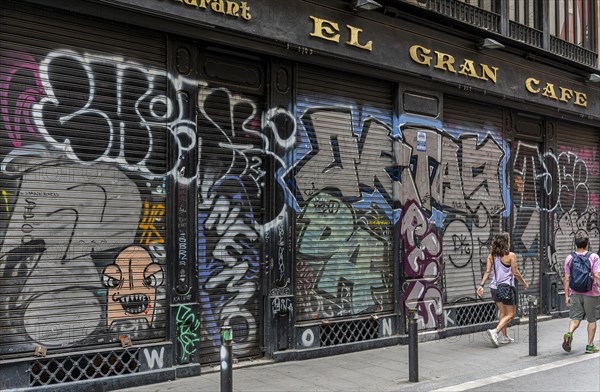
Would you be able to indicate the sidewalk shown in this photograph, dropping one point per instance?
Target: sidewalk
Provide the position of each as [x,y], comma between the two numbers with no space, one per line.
[442,363]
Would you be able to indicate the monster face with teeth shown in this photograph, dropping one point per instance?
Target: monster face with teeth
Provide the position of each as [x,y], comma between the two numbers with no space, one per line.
[131,282]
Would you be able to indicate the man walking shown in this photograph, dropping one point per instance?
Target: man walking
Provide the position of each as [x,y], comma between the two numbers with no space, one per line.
[582,291]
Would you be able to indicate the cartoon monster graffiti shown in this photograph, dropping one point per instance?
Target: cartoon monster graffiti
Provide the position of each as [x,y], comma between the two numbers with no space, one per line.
[131,283]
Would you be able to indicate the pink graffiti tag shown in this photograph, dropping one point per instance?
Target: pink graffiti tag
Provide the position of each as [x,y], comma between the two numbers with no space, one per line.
[422,245]
[15,111]
[422,248]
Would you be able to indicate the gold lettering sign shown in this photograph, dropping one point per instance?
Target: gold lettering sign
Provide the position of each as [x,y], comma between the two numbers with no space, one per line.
[354,41]
[325,29]
[560,94]
[445,62]
[237,9]
[330,31]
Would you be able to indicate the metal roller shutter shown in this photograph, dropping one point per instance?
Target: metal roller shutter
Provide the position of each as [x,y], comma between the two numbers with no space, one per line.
[526,240]
[577,191]
[343,191]
[230,200]
[83,135]
[474,163]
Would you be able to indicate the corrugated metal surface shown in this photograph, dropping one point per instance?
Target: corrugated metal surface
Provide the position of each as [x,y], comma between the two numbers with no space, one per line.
[472,167]
[526,240]
[344,264]
[576,192]
[230,200]
[82,212]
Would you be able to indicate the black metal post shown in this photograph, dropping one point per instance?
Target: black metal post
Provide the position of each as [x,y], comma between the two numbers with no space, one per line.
[532,326]
[413,346]
[226,360]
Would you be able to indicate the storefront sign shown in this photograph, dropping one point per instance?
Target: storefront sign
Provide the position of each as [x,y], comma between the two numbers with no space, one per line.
[225,7]
[447,63]
[382,42]
[561,94]
[330,31]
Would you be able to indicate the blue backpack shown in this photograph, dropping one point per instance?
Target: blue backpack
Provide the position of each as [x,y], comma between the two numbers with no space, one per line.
[581,273]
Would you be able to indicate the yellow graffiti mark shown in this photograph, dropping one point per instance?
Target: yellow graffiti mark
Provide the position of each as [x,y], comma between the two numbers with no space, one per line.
[379,222]
[6,194]
[153,215]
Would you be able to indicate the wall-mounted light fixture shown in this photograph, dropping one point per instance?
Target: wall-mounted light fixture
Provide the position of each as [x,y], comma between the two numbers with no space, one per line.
[593,78]
[488,43]
[364,5]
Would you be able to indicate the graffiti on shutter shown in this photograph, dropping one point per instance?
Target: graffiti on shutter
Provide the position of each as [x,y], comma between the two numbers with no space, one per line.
[82,257]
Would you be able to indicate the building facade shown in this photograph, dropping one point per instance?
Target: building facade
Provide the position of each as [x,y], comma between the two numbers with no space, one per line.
[302,171]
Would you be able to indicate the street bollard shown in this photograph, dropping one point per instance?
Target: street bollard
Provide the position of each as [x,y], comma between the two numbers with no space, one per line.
[226,360]
[532,303]
[413,346]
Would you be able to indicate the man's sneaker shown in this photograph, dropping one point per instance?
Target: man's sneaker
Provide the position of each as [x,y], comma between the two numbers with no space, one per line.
[493,335]
[505,339]
[567,339]
[591,349]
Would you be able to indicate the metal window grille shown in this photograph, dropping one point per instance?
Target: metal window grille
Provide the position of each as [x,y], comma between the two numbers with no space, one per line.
[520,25]
[349,332]
[525,34]
[467,13]
[83,367]
[572,51]
[475,314]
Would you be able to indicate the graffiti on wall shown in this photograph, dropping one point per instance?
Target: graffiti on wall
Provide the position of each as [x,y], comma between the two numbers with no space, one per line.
[343,194]
[561,180]
[152,227]
[345,275]
[154,358]
[460,181]
[429,175]
[577,170]
[439,171]
[557,184]
[451,188]
[131,122]
[187,332]
[83,188]
[20,76]
[566,228]
[131,283]
[98,144]
[236,152]
[422,247]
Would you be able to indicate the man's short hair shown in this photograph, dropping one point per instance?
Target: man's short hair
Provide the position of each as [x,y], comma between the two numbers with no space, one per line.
[581,241]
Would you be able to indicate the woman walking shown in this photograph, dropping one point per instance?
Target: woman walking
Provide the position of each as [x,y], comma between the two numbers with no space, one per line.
[502,265]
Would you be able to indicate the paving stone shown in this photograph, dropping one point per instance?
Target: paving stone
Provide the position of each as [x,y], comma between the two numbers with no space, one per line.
[442,363]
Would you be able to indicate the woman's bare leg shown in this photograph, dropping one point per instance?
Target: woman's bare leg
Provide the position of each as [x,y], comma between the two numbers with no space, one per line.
[509,312]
